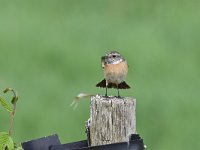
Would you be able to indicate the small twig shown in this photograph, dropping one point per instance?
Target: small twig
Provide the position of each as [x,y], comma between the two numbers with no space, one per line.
[13,101]
[77,99]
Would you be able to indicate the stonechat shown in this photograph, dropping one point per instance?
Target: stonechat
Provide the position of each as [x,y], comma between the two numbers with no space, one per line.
[115,69]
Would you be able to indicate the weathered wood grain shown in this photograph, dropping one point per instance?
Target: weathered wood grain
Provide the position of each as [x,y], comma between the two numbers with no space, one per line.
[111,120]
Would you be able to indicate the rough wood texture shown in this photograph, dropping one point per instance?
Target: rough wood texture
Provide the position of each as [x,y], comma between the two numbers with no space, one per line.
[111,120]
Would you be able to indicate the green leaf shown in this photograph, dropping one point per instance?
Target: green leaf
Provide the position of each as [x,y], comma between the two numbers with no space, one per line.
[15,97]
[18,148]
[6,141]
[5,105]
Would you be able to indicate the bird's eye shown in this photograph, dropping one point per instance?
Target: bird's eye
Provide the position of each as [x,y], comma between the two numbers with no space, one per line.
[114,56]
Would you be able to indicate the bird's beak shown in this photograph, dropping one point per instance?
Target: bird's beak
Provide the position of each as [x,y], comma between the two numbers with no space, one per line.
[103,58]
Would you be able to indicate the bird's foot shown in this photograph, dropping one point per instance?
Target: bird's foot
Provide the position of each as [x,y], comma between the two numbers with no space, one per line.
[106,96]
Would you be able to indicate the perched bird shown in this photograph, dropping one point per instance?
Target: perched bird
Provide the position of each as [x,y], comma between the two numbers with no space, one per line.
[115,69]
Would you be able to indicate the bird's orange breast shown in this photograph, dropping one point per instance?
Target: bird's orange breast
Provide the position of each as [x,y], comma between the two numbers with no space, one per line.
[115,73]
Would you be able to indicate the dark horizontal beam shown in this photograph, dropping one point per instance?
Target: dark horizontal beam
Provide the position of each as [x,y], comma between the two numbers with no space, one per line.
[53,143]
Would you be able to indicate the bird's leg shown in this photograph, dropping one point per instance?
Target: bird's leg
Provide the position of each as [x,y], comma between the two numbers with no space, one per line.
[106,95]
[118,91]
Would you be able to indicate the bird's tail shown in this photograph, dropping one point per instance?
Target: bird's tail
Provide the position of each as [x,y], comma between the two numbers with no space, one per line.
[122,85]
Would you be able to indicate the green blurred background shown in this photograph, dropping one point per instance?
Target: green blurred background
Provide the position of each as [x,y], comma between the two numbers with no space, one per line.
[50,51]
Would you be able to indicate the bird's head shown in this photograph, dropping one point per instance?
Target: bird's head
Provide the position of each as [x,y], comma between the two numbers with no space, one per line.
[112,57]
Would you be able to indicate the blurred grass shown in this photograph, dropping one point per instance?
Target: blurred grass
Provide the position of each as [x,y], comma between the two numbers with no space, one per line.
[50,51]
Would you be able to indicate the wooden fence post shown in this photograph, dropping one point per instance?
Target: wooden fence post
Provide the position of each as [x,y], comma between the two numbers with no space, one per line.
[111,120]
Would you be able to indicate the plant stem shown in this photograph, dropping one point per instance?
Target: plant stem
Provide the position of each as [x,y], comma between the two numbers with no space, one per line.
[12,119]
[12,114]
